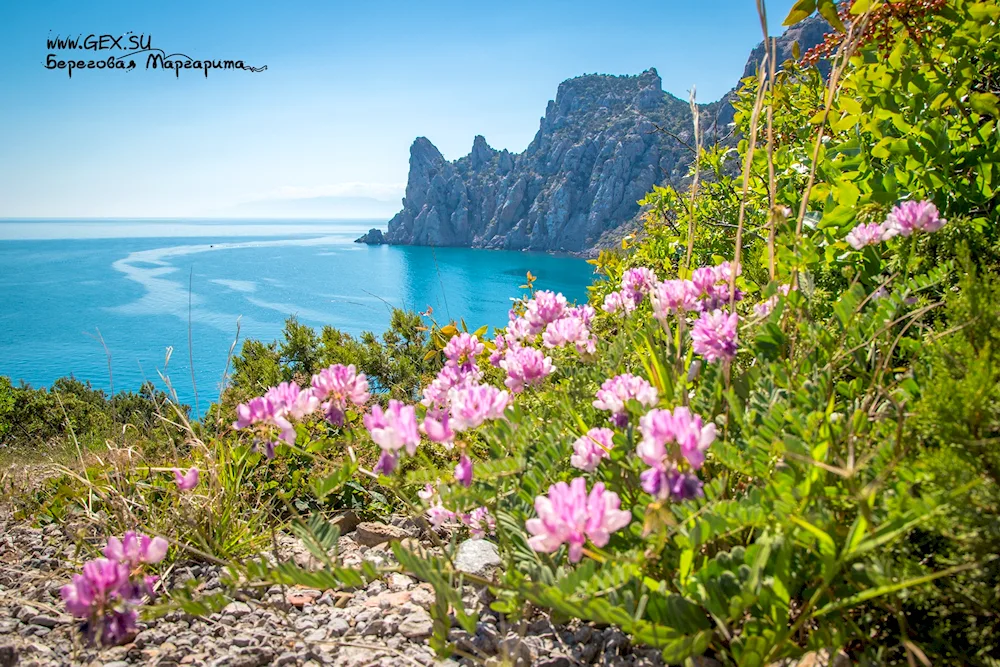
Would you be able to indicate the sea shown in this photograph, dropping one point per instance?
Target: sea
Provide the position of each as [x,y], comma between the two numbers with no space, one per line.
[119,302]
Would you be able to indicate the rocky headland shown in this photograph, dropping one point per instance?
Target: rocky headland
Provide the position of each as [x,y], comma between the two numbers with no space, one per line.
[601,145]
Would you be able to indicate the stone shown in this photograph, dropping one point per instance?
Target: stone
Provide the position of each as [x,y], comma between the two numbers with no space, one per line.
[556,661]
[478,557]
[390,600]
[373,237]
[46,621]
[237,609]
[299,597]
[8,655]
[116,663]
[373,533]
[416,625]
[338,626]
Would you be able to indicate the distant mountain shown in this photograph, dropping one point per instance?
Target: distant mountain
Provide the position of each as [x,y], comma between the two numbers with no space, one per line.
[601,146]
[315,207]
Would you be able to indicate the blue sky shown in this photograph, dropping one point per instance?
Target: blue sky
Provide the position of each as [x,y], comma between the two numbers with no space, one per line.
[348,87]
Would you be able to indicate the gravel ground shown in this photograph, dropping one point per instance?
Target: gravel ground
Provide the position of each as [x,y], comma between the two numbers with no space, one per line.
[385,624]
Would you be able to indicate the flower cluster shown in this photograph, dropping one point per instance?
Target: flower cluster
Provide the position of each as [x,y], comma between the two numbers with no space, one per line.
[670,442]
[455,400]
[392,429]
[707,292]
[714,335]
[636,284]
[764,308]
[616,392]
[110,589]
[525,366]
[559,324]
[589,449]
[337,387]
[332,390]
[569,515]
[904,219]
[480,522]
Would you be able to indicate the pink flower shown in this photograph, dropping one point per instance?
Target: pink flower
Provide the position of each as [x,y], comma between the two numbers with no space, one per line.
[660,428]
[438,429]
[583,313]
[637,283]
[135,548]
[480,522]
[265,411]
[448,378]
[764,308]
[591,448]
[911,216]
[568,515]
[692,435]
[569,331]
[544,308]
[386,463]
[525,365]
[672,483]
[101,580]
[619,390]
[186,480]
[474,404]
[339,386]
[673,296]
[463,349]
[864,235]
[690,438]
[500,343]
[463,471]
[427,493]
[438,515]
[108,589]
[714,335]
[394,428]
[704,279]
[618,301]
[520,329]
[275,407]
[293,401]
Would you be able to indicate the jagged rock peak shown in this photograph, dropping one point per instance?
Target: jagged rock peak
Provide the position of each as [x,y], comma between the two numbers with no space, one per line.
[806,33]
[592,92]
[481,153]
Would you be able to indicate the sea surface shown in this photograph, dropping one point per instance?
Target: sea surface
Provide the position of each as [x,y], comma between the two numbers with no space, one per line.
[66,286]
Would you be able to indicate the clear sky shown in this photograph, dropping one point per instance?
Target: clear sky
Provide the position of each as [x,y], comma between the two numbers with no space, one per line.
[348,86]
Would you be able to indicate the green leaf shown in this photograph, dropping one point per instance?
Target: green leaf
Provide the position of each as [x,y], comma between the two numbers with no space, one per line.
[324,486]
[985,103]
[828,10]
[860,7]
[868,594]
[800,10]
[827,546]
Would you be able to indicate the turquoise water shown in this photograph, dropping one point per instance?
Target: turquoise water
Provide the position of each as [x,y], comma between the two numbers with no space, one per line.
[63,282]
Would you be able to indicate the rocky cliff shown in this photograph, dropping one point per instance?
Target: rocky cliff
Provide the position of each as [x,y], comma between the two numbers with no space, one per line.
[602,144]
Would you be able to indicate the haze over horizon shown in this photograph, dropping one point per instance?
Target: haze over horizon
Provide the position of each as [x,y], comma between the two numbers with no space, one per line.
[328,125]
